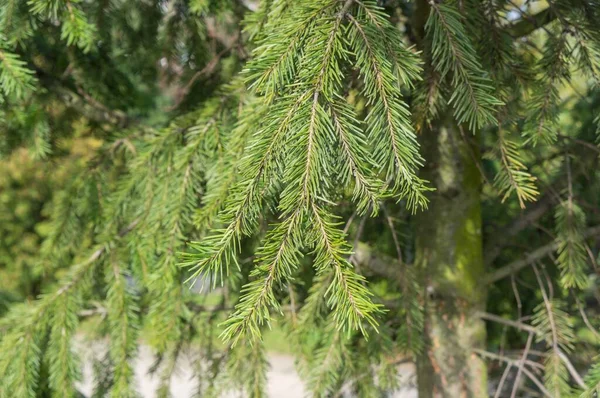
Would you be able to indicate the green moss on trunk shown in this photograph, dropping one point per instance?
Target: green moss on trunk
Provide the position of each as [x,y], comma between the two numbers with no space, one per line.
[450,260]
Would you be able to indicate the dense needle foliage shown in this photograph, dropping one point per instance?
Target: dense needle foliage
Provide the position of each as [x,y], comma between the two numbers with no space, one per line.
[269,153]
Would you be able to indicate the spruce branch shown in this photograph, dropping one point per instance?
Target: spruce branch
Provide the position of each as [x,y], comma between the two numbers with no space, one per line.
[247,365]
[556,329]
[217,251]
[428,99]
[572,255]
[276,62]
[122,318]
[15,78]
[25,342]
[315,305]
[220,184]
[347,294]
[367,190]
[556,376]
[280,251]
[514,176]
[407,65]
[20,365]
[542,110]
[255,22]
[388,120]
[76,29]
[592,379]
[453,55]
[257,297]
[328,360]
[64,362]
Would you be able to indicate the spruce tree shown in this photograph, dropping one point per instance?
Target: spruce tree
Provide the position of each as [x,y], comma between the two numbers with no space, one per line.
[382,180]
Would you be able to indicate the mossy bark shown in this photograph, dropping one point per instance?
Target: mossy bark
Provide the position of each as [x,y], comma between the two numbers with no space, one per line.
[450,261]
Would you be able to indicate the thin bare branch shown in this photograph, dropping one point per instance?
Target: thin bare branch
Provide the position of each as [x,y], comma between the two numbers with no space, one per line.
[531,258]
[521,365]
[526,371]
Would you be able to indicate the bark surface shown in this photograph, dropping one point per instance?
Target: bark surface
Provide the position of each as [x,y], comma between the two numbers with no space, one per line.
[450,261]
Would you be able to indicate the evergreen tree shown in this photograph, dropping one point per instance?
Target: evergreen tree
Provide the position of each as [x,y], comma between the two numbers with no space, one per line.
[383,180]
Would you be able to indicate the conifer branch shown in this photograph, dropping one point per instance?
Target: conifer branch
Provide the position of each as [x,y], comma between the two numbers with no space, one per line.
[219,183]
[275,64]
[348,296]
[388,120]
[15,78]
[25,368]
[64,363]
[122,319]
[218,251]
[453,54]
[76,29]
[247,365]
[366,189]
[34,324]
[406,63]
[328,360]
[572,256]
[315,303]
[315,123]
[273,265]
[543,108]
[281,247]
[514,176]
[592,379]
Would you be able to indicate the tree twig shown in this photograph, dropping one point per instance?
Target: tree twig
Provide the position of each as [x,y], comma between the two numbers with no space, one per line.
[531,329]
[502,380]
[526,371]
[530,23]
[530,258]
[517,296]
[548,308]
[585,318]
[495,318]
[390,223]
[499,239]
[521,365]
[207,70]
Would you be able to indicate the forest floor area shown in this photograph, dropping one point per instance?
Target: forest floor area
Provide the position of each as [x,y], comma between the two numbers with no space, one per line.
[283,380]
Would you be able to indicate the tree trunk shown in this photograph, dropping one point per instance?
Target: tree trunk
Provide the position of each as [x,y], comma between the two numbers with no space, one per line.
[450,261]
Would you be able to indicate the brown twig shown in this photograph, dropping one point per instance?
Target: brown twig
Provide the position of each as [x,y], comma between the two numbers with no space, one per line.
[526,371]
[585,318]
[502,380]
[521,365]
[208,69]
[532,257]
